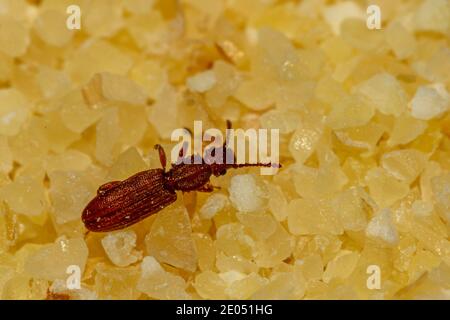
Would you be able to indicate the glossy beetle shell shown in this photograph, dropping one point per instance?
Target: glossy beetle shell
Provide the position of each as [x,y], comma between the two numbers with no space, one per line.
[188,177]
[127,202]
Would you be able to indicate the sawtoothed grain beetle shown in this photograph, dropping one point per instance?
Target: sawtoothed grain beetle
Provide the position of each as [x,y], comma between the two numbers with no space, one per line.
[119,204]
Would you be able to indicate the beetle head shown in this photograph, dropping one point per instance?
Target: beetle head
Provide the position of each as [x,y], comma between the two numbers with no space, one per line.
[219,169]
[219,157]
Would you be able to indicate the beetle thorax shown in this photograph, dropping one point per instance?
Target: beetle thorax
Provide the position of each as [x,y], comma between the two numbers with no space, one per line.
[188,177]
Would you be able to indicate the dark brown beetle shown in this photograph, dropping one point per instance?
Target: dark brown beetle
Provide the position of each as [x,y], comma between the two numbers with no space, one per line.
[120,204]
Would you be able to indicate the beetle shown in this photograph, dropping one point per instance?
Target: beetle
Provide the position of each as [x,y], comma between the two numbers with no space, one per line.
[120,204]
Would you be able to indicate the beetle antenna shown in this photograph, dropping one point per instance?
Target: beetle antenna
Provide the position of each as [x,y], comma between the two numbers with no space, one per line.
[162,155]
[188,130]
[245,165]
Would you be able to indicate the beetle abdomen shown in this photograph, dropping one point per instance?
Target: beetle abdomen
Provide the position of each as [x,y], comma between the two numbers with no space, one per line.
[128,202]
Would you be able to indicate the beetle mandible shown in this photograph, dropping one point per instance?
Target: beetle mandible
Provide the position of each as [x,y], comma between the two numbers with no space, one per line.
[120,204]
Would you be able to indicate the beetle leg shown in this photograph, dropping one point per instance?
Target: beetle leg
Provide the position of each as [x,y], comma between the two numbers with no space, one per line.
[207,188]
[226,149]
[107,186]
[162,155]
[190,202]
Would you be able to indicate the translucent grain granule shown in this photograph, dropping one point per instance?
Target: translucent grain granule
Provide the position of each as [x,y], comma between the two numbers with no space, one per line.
[334,15]
[405,165]
[112,282]
[138,6]
[441,189]
[428,103]
[120,248]
[170,239]
[385,188]
[94,57]
[213,205]
[305,140]
[202,82]
[433,15]
[381,227]
[103,17]
[157,283]
[422,208]
[385,93]
[14,37]
[341,266]
[401,41]
[14,111]
[25,195]
[51,261]
[210,285]
[50,26]
[245,193]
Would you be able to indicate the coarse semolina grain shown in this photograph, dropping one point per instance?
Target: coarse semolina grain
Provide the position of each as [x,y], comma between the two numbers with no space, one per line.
[119,247]
[364,128]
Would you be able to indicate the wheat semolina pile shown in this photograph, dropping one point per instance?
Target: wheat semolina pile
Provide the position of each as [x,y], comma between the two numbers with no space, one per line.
[364,142]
